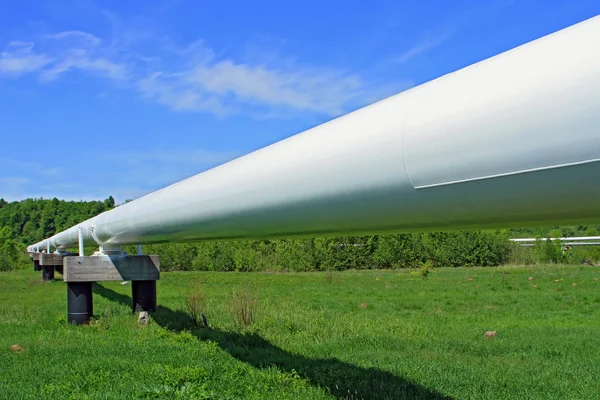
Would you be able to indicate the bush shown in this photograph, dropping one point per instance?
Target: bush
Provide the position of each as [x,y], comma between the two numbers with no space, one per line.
[399,251]
[457,249]
[11,255]
[243,306]
[214,256]
[195,306]
[295,255]
[550,251]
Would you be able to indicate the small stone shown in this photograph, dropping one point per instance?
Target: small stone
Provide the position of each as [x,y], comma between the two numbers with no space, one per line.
[16,347]
[363,305]
[530,278]
[490,334]
[574,284]
[595,279]
[143,318]
[535,286]
[470,279]
[124,283]
[556,280]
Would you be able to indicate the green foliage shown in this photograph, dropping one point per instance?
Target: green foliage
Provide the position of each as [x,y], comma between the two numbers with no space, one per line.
[214,256]
[425,269]
[174,256]
[399,251]
[10,252]
[551,251]
[30,221]
[456,249]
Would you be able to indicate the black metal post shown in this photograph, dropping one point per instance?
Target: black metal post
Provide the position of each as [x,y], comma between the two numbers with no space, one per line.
[59,269]
[47,272]
[143,295]
[80,305]
[36,265]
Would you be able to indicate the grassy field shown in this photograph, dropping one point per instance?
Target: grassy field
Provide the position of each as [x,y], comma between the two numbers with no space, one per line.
[371,335]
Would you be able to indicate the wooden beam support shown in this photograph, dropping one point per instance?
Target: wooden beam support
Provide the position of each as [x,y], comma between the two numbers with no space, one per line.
[50,259]
[34,256]
[111,268]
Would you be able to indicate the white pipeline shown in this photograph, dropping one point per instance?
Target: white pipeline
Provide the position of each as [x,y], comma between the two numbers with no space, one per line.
[510,141]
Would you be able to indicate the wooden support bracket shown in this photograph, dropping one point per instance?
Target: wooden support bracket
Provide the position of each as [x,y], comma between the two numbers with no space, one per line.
[50,259]
[111,268]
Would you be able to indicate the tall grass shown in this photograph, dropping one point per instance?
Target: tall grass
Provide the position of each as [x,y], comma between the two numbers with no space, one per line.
[243,305]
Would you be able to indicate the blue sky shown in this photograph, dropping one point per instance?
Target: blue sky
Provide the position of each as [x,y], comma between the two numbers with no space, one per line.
[121,98]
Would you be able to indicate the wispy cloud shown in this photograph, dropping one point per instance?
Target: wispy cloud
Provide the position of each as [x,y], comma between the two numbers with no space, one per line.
[192,77]
[225,86]
[19,58]
[84,61]
[425,44]
[87,38]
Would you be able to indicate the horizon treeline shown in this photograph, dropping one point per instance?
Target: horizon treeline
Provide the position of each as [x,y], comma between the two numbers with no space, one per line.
[31,220]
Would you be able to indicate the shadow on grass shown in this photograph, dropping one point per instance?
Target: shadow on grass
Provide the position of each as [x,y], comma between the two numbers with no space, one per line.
[342,380]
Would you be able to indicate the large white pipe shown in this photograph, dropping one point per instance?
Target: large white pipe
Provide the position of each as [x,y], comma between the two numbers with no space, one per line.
[510,141]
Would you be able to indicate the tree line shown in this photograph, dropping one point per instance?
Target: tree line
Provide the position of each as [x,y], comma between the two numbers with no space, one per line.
[31,220]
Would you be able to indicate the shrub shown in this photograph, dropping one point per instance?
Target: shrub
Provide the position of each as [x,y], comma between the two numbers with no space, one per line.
[457,249]
[195,306]
[243,305]
[399,251]
[550,250]
[10,254]
[214,256]
[295,255]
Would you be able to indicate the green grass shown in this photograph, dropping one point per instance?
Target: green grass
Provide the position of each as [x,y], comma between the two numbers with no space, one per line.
[415,338]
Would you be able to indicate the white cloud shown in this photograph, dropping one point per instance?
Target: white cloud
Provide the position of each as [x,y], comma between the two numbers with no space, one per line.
[84,61]
[423,45]
[84,37]
[169,90]
[19,58]
[224,86]
[83,54]
[193,78]
[301,89]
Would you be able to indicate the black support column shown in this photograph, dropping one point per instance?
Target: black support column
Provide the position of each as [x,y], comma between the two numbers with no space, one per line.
[47,272]
[36,265]
[80,305]
[143,295]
